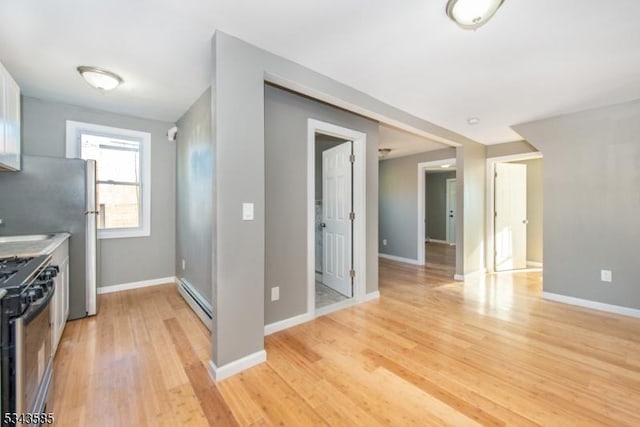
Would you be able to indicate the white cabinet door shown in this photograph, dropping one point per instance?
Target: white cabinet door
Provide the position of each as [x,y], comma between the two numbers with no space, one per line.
[9,121]
[60,302]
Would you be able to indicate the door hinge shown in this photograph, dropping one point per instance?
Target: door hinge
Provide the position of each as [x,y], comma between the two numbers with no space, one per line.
[352,273]
[495,214]
[495,174]
[352,158]
[352,216]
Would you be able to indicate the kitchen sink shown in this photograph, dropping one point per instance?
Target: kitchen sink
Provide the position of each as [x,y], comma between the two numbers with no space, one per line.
[26,238]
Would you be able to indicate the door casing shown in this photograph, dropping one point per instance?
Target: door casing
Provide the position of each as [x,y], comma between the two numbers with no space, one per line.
[359,207]
[489,214]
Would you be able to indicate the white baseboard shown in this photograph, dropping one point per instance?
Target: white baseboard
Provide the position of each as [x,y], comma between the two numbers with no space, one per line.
[371,296]
[274,327]
[136,285]
[534,264]
[399,259]
[437,241]
[319,277]
[237,366]
[458,277]
[610,308]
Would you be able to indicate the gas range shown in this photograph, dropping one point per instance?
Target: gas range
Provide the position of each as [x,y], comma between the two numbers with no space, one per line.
[25,279]
[25,334]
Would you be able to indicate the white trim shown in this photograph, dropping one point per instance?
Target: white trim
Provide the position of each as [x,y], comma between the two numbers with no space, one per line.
[281,325]
[372,296]
[489,213]
[616,309]
[237,366]
[534,264]
[319,277]
[73,131]
[136,285]
[458,277]
[422,215]
[359,206]
[400,259]
[437,241]
[335,307]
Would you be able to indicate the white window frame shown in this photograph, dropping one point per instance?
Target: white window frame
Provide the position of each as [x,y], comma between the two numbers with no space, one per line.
[73,151]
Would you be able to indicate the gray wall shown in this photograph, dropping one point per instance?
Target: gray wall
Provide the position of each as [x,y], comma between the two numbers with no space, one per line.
[534,209]
[591,202]
[239,71]
[123,260]
[399,202]
[436,204]
[286,116]
[194,183]
[509,149]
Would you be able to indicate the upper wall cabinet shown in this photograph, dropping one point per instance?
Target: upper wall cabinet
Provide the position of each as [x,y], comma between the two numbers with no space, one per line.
[9,122]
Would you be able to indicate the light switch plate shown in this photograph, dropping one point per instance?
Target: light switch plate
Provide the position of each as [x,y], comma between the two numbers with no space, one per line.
[275,293]
[247,211]
[605,275]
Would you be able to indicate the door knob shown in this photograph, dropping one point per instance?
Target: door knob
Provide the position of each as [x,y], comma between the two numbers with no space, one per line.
[323,225]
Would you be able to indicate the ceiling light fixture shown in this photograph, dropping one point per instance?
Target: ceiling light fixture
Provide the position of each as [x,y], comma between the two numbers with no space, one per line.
[445,166]
[473,121]
[100,78]
[383,152]
[471,14]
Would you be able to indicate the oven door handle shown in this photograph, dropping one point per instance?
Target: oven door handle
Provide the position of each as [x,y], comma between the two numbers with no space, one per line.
[44,302]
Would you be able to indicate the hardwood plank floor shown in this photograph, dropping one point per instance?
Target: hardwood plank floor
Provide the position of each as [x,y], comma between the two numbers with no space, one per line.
[429,352]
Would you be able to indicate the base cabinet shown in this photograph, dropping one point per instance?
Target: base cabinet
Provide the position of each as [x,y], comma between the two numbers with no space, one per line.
[60,303]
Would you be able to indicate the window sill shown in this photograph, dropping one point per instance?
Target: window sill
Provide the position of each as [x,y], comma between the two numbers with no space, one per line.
[122,234]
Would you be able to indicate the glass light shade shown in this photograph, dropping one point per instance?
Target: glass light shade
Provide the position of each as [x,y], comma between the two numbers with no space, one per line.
[99,78]
[471,14]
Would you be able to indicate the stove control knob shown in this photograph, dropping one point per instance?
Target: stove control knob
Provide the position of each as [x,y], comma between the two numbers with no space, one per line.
[38,291]
[31,296]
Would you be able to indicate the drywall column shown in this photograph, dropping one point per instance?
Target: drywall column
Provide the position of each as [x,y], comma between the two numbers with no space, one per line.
[237,105]
[591,172]
[470,190]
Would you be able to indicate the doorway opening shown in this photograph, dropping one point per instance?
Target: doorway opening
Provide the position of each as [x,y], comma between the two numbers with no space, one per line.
[514,212]
[336,217]
[437,215]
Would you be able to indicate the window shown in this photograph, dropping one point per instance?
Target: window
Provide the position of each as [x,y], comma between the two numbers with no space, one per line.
[123,185]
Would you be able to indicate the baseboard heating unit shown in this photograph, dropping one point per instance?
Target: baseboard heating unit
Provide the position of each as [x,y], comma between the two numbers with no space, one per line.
[197,303]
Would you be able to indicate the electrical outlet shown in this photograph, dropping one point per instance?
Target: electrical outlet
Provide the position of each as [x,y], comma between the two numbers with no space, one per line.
[275,293]
[605,275]
[184,264]
[384,242]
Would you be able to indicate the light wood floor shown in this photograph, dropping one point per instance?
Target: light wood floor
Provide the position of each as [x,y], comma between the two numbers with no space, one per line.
[440,256]
[428,352]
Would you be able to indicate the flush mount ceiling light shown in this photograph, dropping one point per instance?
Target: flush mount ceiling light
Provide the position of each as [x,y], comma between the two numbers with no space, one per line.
[445,166]
[100,78]
[473,121]
[471,14]
[383,152]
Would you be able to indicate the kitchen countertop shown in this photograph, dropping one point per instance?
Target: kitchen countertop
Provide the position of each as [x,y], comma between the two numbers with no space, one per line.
[32,247]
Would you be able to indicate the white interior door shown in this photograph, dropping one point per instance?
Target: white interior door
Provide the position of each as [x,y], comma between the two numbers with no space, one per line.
[336,222]
[510,216]
[452,214]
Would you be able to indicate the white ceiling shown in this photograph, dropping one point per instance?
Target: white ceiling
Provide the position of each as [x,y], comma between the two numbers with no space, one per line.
[534,59]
